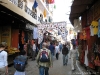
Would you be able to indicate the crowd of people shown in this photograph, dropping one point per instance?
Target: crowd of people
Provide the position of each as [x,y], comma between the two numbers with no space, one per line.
[32,51]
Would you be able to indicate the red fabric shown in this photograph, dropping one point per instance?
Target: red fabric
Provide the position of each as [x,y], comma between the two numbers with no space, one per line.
[81,36]
[87,30]
[84,34]
[50,1]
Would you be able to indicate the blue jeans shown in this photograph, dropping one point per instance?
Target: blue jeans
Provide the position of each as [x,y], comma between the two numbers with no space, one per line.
[52,54]
[43,70]
[65,59]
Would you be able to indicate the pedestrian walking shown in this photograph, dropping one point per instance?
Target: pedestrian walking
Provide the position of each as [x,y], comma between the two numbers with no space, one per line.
[34,51]
[52,49]
[60,46]
[65,54]
[3,61]
[19,63]
[57,51]
[73,54]
[44,60]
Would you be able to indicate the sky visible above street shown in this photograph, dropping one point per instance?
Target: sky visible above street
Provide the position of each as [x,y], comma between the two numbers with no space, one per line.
[62,11]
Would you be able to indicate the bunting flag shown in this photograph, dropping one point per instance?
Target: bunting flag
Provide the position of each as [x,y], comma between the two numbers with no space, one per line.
[35,4]
[50,1]
[44,13]
[54,6]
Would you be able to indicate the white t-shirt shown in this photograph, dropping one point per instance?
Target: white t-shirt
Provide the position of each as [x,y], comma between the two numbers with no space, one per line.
[57,49]
[73,53]
[34,47]
[3,59]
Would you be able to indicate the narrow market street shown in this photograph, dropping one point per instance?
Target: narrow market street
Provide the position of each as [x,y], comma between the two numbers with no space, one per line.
[57,69]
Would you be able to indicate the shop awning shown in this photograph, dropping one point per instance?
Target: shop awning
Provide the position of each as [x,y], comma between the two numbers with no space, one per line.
[78,7]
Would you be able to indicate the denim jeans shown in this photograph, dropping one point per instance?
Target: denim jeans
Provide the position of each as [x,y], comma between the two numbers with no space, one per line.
[65,59]
[43,70]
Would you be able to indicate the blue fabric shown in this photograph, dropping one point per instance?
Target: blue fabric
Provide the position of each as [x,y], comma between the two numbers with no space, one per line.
[43,70]
[99,29]
[52,48]
[35,4]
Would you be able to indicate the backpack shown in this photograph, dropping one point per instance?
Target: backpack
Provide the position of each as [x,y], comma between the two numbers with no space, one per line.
[20,63]
[44,57]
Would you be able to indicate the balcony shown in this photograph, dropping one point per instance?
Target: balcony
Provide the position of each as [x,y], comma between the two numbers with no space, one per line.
[42,5]
[21,9]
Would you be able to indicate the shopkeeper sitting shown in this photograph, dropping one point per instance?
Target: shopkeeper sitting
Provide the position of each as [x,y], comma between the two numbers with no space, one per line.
[3,61]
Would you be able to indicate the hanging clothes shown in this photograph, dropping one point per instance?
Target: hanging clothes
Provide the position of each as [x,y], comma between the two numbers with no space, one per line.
[81,35]
[95,27]
[91,31]
[35,33]
[86,59]
[99,29]
[87,30]
[84,34]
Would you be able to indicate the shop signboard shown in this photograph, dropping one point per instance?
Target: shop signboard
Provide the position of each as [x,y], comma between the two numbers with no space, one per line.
[6,35]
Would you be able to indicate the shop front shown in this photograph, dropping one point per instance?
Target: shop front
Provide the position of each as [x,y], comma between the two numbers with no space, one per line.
[13,32]
[89,39]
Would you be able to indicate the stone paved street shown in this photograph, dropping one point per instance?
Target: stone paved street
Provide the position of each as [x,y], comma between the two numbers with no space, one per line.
[57,69]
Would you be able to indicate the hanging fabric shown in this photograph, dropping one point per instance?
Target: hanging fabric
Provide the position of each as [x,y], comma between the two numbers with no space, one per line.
[94,24]
[35,33]
[50,1]
[87,30]
[99,29]
[44,13]
[91,31]
[86,59]
[81,36]
[35,4]
[84,34]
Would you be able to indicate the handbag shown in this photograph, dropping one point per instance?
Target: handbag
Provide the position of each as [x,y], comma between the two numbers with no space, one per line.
[97,61]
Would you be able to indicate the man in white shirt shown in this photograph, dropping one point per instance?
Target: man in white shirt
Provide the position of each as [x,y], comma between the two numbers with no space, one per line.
[3,61]
[57,51]
[34,51]
[73,53]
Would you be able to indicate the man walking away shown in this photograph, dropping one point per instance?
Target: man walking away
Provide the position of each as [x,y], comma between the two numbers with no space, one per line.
[44,60]
[52,48]
[65,55]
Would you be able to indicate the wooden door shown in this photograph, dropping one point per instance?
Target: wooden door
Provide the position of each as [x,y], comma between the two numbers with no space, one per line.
[14,38]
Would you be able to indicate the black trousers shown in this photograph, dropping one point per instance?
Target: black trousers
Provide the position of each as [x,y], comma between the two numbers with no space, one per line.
[57,56]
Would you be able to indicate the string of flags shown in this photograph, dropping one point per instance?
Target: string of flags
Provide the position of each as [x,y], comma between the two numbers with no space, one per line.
[59,26]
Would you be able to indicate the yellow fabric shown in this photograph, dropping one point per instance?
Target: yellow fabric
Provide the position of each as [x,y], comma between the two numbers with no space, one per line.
[44,13]
[95,27]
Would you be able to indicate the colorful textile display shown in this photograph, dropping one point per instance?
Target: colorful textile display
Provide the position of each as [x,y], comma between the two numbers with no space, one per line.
[94,24]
